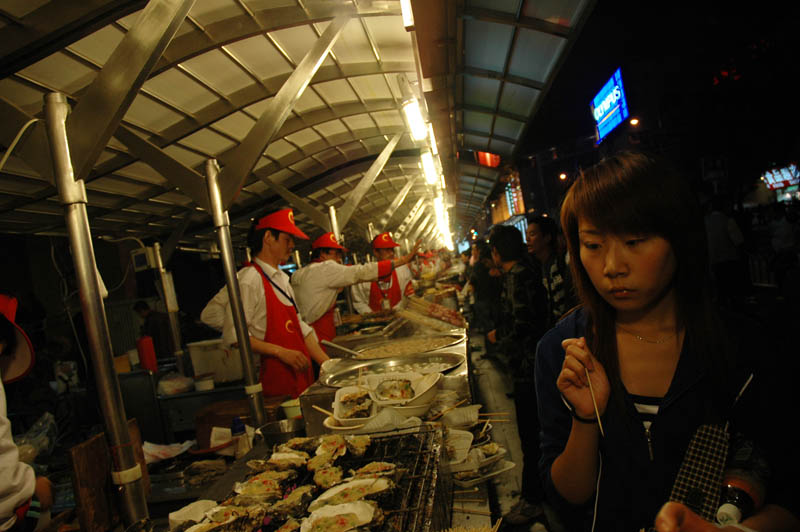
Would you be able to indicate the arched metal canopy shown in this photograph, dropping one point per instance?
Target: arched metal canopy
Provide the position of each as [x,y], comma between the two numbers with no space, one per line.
[485,66]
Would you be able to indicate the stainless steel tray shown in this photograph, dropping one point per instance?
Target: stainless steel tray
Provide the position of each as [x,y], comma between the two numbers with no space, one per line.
[455,339]
[345,371]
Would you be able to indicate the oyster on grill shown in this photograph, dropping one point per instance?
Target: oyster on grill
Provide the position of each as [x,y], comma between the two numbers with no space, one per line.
[328,477]
[294,505]
[357,445]
[237,517]
[301,444]
[354,490]
[333,444]
[343,517]
[290,460]
[319,461]
[289,526]
[266,486]
[375,469]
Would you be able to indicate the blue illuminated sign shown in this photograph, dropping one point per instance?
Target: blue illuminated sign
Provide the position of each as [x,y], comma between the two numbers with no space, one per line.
[609,107]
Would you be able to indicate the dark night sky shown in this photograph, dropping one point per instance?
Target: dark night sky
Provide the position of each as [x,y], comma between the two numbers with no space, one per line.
[670,54]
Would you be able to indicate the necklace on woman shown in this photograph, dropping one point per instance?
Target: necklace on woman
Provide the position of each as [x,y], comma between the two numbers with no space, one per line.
[643,339]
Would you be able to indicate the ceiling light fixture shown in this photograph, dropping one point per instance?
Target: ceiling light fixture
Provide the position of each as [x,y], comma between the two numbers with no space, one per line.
[408,15]
[414,118]
[429,168]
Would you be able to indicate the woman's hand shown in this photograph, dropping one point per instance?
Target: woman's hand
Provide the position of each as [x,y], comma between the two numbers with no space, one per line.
[492,336]
[293,358]
[572,381]
[44,492]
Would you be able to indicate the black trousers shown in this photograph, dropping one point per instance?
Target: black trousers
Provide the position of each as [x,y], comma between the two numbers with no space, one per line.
[528,427]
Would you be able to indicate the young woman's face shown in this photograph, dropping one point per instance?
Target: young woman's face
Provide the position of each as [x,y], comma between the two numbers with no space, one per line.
[631,272]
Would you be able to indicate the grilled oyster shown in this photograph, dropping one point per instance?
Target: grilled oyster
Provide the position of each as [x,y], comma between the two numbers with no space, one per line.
[395,389]
[290,460]
[237,517]
[355,397]
[295,503]
[375,469]
[319,461]
[357,445]
[352,491]
[343,517]
[301,444]
[489,449]
[328,477]
[333,444]
[289,526]
[266,486]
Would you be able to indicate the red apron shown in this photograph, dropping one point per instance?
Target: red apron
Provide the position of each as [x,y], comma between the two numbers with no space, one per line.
[283,329]
[324,326]
[376,294]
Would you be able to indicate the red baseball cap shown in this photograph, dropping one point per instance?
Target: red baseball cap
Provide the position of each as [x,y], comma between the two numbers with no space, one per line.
[282,220]
[384,240]
[14,366]
[327,241]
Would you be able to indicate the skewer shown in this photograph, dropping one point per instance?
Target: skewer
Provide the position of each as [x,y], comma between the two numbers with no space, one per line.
[492,414]
[477,512]
[470,500]
[320,409]
[496,526]
[458,492]
[446,410]
[594,402]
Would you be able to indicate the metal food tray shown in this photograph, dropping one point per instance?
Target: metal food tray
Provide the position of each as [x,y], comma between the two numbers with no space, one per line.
[346,371]
[457,338]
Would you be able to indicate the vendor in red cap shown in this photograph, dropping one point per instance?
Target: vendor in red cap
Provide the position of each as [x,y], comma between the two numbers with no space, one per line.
[388,290]
[318,283]
[286,343]
[25,499]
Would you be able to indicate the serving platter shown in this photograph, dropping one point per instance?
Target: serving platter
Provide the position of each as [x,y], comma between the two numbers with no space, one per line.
[414,345]
[346,371]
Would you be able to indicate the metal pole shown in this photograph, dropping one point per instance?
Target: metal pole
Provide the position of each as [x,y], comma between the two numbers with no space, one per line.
[348,293]
[171,302]
[126,473]
[296,255]
[252,386]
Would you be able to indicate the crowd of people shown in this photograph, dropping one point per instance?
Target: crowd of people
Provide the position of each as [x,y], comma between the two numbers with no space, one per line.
[627,350]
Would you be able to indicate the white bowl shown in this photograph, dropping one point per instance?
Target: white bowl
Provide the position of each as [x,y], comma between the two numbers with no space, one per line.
[291,408]
[425,389]
[334,425]
[337,407]
[414,410]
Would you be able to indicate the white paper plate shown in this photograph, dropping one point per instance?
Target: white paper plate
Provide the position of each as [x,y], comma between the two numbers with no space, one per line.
[499,468]
[476,460]
[460,441]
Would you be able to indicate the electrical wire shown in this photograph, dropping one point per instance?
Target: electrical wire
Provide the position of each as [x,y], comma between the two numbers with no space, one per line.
[106,239]
[65,301]
[14,142]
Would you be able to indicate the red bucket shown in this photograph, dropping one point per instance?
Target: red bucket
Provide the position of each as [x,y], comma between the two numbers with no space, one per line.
[147,353]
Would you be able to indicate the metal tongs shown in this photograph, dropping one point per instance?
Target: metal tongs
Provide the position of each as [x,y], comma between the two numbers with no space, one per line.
[349,352]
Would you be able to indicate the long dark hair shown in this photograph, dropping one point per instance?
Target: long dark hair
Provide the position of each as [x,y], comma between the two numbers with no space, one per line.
[635,193]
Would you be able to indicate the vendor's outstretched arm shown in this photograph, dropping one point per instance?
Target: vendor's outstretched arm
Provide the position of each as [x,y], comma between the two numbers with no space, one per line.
[291,357]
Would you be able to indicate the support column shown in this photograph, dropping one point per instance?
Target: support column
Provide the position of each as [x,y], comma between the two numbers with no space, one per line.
[171,302]
[348,293]
[252,385]
[126,473]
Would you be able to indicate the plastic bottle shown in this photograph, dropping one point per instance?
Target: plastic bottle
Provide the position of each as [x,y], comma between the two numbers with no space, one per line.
[744,483]
[147,353]
[241,444]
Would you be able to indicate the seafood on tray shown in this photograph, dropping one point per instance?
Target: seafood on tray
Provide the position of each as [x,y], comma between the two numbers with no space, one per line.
[355,405]
[267,485]
[343,517]
[300,444]
[319,461]
[392,389]
[291,525]
[353,490]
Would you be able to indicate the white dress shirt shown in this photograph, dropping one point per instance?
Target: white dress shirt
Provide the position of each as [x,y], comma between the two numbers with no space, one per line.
[253,301]
[361,291]
[18,479]
[317,284]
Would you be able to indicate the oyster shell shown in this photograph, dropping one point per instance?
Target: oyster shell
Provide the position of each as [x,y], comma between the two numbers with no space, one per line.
[328,477]
[357,445]
[319,461]
[301,444]
[352,491]
[342,517]
[289,526]
[333,444]
[289,460]
[375,469]
[295,503]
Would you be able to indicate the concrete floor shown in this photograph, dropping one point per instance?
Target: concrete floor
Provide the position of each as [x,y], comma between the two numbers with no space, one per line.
[491,388]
